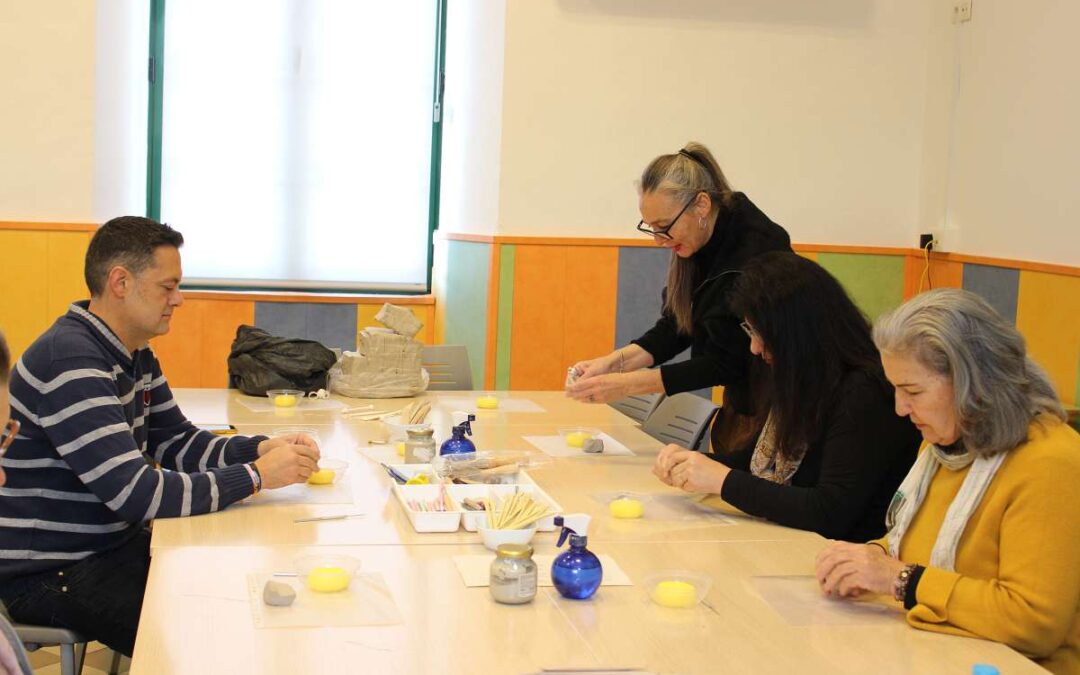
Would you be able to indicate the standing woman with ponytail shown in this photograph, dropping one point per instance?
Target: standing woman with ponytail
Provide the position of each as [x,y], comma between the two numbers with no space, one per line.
[688,207]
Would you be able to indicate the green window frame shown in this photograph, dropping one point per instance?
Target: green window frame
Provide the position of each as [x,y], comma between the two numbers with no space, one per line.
[156,78]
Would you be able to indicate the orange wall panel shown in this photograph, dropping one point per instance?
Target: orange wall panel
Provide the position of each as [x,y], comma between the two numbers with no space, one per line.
[943,274]
[194,351]
[592,279]
[540,288]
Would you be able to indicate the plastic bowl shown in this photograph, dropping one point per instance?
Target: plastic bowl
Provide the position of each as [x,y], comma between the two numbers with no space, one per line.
[330,471]
[493,539]
[311,432]
[575,437]
[677,589]
[285,398]
[327,572]
[399,431]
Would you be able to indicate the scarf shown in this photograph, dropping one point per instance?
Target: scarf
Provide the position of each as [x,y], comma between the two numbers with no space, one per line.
[909,497]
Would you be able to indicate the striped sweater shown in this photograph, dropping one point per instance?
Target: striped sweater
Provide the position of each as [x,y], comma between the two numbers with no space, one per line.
[96,419]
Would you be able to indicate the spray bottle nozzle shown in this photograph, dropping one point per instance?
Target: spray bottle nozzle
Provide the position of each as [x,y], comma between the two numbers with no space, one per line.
[465,428]
[564,531]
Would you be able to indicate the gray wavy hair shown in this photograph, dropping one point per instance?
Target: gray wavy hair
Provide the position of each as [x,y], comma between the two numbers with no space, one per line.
[998,389]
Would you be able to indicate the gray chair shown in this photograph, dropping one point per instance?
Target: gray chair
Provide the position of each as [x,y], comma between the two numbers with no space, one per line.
[639,406]
[448,366]
[682,419]
[72,645]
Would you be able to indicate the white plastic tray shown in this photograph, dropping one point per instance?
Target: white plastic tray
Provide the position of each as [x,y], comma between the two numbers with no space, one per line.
[451,521]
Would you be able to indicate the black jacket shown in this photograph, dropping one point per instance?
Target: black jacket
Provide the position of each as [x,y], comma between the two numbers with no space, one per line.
[849,473]
[719,349]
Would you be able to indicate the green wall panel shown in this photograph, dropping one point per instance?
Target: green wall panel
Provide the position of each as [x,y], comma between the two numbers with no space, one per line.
[506,315]
[874,282]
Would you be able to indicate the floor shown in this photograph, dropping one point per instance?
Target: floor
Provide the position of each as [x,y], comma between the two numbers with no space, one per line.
[98,659]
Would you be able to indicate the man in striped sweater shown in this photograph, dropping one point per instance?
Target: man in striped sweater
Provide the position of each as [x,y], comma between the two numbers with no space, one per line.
[103,448]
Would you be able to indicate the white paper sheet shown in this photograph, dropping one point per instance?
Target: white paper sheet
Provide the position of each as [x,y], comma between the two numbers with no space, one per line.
[366,602]
[302,493]
[556,446]
[506,404]
[669,506]
[475,570]
[799,601]
[264,404]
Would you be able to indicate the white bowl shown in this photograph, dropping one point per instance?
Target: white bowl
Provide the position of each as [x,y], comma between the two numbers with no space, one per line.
[495,538]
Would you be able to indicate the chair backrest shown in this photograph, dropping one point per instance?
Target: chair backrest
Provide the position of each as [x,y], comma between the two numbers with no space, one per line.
[448,366]
[639,406]
[682,419]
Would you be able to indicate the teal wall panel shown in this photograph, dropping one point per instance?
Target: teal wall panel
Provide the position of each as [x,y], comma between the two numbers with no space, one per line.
[468,273]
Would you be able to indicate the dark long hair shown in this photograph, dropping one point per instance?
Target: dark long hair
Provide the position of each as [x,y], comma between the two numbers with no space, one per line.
[815,335]
[5,360]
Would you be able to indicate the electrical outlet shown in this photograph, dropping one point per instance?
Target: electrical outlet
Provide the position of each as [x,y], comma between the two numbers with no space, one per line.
[926,241]
[961,11]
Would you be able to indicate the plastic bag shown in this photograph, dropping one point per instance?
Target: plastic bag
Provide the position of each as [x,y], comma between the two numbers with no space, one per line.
[387,365]
[260,361]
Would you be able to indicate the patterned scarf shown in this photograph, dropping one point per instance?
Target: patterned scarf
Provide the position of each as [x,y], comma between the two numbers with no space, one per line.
[767,463]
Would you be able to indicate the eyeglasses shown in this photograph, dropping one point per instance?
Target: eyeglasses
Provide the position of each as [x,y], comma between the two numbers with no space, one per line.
[662,232]
[7,436]
[748,329]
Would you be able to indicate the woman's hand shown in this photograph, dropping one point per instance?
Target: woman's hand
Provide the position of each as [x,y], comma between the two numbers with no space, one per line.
[601,365]
[601,388]
[848,570]
[689,470]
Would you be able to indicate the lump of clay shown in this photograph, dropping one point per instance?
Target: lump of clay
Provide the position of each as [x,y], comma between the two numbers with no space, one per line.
[594,445]
[278,594]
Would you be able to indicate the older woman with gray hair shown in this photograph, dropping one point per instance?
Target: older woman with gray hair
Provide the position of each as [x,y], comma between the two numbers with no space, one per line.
[984,533]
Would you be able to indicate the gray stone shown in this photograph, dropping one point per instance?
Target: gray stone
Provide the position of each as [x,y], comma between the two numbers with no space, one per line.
[593,445]
[278,594]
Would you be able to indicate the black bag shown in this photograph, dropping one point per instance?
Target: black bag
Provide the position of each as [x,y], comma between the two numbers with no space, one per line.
[259,362]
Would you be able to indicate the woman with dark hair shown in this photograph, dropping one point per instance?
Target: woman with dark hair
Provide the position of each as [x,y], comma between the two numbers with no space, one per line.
[688,207]
[832,449]
[13,659]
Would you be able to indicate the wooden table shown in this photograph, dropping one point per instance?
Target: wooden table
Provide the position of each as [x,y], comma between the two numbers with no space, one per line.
[196,617]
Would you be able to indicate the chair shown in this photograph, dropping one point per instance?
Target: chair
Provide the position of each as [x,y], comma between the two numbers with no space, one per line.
[448,366]
[72,645]
[639,406]
[682,419]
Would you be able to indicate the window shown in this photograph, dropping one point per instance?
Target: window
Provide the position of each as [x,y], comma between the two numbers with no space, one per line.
[297,141]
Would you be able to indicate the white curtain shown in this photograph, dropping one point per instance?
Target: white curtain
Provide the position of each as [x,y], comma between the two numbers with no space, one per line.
[296,140]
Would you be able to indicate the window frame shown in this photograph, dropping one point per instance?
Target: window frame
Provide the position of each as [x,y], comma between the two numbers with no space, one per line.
[156,79]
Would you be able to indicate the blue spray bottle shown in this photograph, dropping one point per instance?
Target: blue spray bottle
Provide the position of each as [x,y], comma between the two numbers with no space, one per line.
[576,573]
[457,443]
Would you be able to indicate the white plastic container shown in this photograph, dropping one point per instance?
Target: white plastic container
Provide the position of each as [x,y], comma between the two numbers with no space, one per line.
[428,521]
[475,519]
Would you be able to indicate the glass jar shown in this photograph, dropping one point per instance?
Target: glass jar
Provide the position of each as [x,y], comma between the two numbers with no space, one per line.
[419,445]
[513,574]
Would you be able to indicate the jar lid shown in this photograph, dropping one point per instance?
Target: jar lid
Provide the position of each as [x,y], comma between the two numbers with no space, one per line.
[515,551]
[420,433]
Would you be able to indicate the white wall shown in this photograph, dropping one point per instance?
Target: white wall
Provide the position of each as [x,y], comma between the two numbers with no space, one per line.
[47,113]
[1016,141]
[817,110]
[472,123]
[120,108]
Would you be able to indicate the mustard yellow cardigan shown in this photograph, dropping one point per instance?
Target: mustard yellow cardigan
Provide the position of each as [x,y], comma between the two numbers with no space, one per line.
[1017,578]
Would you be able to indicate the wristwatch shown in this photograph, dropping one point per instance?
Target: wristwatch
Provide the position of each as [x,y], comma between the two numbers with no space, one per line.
[900,585]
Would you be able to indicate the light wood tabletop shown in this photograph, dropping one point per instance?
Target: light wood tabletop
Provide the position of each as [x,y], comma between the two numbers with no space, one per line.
[579,485]
[763,613]
[197,618]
